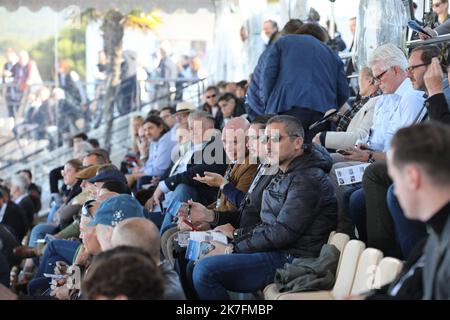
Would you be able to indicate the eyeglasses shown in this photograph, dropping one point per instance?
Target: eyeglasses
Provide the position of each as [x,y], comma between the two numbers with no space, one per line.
[380,76]
[276,139]
[411,68]
[211,96]
[257,138]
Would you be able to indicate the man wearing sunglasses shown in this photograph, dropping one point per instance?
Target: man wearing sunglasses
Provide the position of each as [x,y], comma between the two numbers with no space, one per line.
[297,214]
[211,96]
[426,74]
[400,106]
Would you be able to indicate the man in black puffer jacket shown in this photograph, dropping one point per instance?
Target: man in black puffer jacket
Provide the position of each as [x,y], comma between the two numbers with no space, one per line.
[298,212]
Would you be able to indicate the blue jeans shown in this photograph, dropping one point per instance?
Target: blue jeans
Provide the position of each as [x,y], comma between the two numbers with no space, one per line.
[57,250]
[408,232]
[357,211]
[39,231]
[182,193]
[240,272]
[51,215]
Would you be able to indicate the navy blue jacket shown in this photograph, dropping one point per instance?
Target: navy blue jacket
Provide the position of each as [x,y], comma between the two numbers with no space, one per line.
[254,99]
[300,71]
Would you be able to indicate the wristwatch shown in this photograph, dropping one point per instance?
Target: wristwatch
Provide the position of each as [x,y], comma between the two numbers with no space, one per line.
[371,158]
[235,233]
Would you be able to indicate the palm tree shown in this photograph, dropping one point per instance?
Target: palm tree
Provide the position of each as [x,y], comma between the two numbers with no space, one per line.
[113,29]
[113,26]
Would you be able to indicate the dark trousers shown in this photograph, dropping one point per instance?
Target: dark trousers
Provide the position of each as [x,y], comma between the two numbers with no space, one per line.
[380,226]
[57,250]
[4,270]
[307,117]
[409,232]
[357,211]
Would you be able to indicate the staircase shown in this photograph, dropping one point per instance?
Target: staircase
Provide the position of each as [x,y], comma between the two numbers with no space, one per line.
[41,161]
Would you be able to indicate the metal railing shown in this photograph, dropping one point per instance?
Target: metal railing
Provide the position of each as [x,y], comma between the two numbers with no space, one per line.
[24,146]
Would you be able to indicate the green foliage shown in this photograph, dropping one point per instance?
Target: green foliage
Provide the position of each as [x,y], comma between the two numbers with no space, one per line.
[15,43]
[71,46]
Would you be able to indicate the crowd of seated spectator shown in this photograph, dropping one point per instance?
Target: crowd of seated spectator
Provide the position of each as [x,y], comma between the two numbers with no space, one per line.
[263,169]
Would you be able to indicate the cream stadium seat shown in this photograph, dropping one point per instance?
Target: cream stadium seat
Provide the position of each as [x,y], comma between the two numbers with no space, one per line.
[344,280]
[365,273]
[337,239]
[388,269]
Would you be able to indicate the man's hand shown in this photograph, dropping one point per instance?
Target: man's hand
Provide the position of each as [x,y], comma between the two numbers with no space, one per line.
[357,154]
[219,249]
[226,229]
[61,268]
[199,213]
[433,78]
[154,200]
[430,31]
[183,226]
[155,181]
[316,139]
[212,179]
[60,293]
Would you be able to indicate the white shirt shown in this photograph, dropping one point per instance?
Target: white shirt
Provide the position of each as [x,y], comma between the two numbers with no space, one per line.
[393,112]
[20,198]
[2,211]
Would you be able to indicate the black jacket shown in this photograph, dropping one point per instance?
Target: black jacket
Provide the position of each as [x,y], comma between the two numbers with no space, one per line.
[205,160]
[437,108]
[27,205]
[299,209]
[16,219]
[8,242]
[248,215]
[173,289]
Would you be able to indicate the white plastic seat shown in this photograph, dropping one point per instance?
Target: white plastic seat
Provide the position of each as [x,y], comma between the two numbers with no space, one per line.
[388,269]
[344,280]
[365,273]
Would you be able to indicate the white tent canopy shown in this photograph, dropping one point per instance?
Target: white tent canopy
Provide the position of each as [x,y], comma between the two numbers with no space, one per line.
[123,5]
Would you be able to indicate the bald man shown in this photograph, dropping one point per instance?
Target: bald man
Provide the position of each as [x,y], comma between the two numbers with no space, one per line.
[142,233]
[240,171]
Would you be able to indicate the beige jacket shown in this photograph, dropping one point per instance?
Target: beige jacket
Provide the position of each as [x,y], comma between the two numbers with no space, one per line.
[357,129]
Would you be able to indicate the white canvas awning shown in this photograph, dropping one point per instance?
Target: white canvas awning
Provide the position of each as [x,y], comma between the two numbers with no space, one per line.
[168,6]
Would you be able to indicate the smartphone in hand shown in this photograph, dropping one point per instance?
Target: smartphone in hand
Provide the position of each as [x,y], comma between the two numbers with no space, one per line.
[343,152]
[418,28]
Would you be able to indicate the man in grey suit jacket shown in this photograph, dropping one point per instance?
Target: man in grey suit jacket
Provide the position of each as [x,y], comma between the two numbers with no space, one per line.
[418,164]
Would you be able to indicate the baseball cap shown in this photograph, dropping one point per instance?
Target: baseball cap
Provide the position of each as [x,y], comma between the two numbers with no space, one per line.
[116,209]
[88,172]
[109,175]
